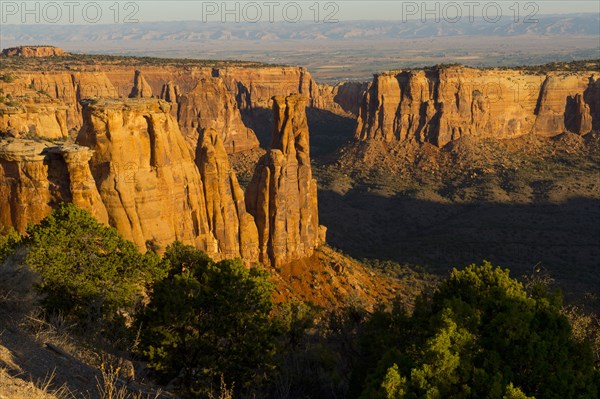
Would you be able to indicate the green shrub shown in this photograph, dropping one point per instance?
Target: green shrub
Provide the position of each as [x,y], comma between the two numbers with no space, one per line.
[480,335]
[7,78]
[208,320]
[88,271]
[9,242]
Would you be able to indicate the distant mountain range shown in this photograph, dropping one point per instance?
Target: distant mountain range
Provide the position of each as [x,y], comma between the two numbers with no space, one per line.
[197,31]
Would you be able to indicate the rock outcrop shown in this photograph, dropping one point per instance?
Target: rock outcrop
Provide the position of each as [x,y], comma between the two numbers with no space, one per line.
[145,173]
[133,170]
[255,87]
[42,119]
[33,51]
[141,88]
[170,92]
[282,195]
[444,104]
[35,176]
[211,106]
[239,97]
[342,99]
[232,226]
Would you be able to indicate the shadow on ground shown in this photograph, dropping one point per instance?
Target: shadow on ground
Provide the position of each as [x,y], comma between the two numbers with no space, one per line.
[563,239]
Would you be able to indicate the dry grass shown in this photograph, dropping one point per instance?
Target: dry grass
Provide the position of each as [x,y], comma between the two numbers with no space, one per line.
[225,392]
[17,294]
[111,384]
[14,387]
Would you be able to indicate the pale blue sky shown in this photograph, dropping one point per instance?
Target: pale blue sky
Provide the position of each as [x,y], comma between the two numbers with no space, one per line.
[13,12]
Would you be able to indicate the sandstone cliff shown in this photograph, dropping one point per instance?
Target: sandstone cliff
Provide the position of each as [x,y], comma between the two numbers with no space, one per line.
[282,195]
[63,88]
[444,104]
[234,100]
[211,106]
[35,176]
[255,87]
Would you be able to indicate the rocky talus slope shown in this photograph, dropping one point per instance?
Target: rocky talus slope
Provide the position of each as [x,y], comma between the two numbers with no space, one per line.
[444,104]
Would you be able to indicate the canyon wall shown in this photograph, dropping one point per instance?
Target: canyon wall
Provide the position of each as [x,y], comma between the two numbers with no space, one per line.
[34,119]
[341,99]
[201,97]
[444,104]
[210,105]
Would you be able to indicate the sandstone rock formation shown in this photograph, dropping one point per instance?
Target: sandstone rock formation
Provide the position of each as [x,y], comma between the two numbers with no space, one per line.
[170,92]
[255,87]
[145,173]
[591,96]
[343,98]
[241,96]
[140,88]
[35,176]
[578,118]
[33,51]
[63,89]
[210,106]
[444,104]
[43,119]
[133,170]
[232,226]
[282,195]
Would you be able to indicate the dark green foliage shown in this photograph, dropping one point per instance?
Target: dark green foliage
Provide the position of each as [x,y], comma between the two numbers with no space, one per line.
[88,271]
[9,242]
[207,320]
[7,78]
[480,336]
